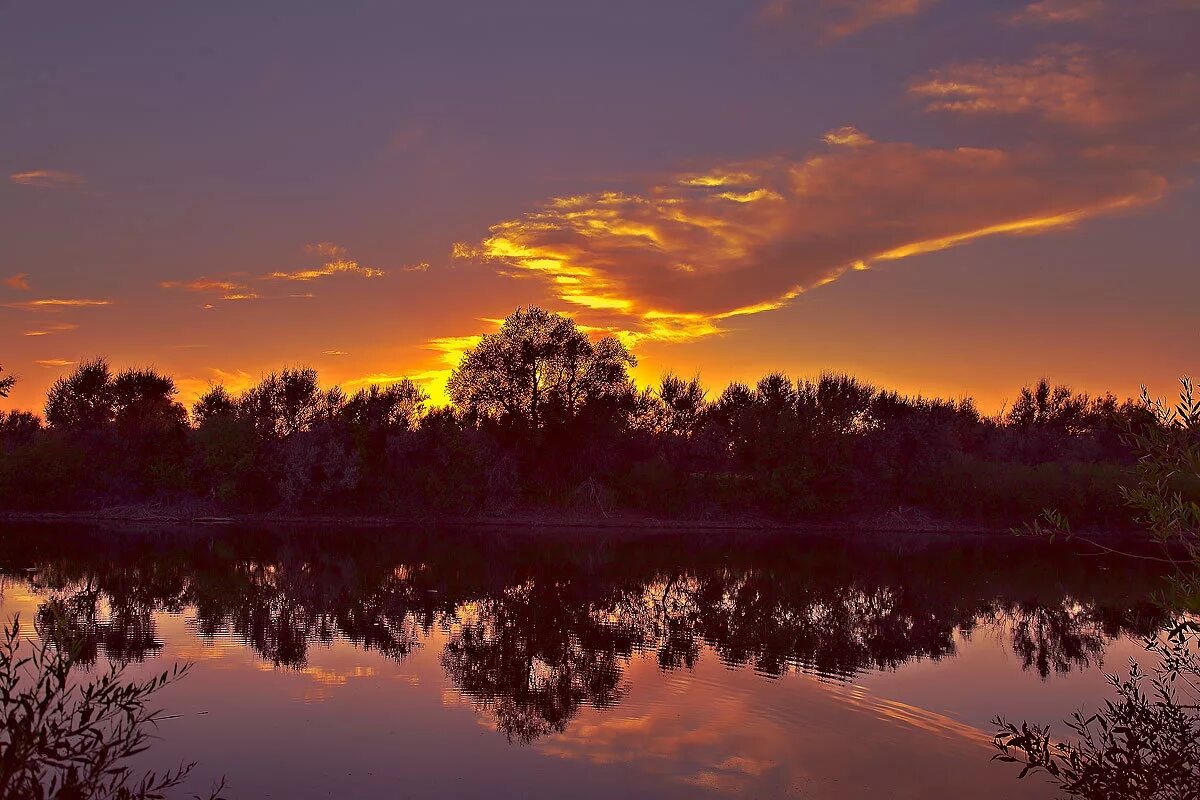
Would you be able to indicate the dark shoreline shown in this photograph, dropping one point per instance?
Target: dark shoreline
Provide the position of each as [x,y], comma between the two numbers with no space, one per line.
[532,521]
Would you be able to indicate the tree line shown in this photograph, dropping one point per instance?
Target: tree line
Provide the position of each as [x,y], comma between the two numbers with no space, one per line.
[544,417]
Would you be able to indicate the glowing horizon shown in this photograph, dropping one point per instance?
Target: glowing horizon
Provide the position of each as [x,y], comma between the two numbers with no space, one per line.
[960,216]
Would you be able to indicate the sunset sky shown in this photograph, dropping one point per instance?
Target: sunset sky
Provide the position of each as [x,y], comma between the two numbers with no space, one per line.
[949,197]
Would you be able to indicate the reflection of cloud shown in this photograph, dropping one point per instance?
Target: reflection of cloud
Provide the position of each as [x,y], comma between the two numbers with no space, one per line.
[736,741]
[57,303]
[837,19]
[46,179]
[675,261]
[20,281]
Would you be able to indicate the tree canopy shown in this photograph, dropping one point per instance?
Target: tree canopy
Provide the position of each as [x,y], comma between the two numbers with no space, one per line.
[539,366]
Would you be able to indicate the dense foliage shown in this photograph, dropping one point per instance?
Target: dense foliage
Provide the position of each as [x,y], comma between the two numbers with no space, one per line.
[1143,743]
[544,417]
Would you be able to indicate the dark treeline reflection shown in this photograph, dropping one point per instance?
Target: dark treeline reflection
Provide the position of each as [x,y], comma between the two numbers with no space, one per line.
[538,626]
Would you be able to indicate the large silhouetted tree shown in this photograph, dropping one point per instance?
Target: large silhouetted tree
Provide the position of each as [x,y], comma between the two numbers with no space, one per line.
[537,366]
[83,400]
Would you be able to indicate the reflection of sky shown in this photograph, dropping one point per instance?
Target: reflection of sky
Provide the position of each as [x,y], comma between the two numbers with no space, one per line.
[353,723]
[365,186]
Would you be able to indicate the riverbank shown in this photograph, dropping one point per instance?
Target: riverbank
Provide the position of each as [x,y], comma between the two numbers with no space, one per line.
[902,521]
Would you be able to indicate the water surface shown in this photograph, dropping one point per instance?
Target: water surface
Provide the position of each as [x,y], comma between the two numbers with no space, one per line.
[426,664]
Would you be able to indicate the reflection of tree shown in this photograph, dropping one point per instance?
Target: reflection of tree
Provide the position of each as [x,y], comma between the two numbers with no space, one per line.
[533,655]
[538,629]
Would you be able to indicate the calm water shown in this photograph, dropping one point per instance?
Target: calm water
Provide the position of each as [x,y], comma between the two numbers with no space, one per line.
[366,663]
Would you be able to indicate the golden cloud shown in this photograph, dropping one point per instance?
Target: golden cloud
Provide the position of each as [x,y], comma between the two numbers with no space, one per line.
[46,179]
[674,262]
[20,281]
[336,262]
[837,19]
[54,362]
[57,304]
[335,267]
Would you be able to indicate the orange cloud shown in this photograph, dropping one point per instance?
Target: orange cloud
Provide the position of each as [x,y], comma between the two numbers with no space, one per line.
[20,281]
[849,136]
[837,19]
[46,179]
[239,287]
[228,289]
[56,303]
[678,260]
[336,263]
[1072,86]
[54,362]
[47,330]
[1047,12]
[341,265]
[1061,86]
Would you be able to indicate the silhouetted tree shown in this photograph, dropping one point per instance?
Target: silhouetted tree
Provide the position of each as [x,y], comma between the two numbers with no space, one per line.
[6,383]
[537,367]
[84,400]
[214,403]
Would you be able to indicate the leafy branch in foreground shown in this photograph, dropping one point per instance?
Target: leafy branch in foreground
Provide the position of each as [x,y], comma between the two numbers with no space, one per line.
[66,738]
[1145,743]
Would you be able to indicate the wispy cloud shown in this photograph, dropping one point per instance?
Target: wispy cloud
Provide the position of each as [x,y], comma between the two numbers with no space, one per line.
[241,287]
[1063,85]
[334,353]
[681,258]
[20,281]
[46,179]
[57,303]
[848,136]
[335,267]
[49,330]
[228,289]
[54,362]
[217,285]
[1072,85]
[837,19]
[337,262]
[1049,12]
